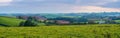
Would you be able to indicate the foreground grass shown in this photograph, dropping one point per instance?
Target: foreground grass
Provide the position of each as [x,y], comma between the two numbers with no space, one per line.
[83,31]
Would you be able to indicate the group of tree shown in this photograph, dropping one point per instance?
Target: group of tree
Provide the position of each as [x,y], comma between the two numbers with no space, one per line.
[72,20]
[29,22]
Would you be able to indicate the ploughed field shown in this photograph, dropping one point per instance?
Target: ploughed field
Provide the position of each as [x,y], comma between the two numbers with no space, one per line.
[72,31]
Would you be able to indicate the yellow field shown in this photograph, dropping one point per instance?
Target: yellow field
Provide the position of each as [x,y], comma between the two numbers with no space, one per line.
[83,31]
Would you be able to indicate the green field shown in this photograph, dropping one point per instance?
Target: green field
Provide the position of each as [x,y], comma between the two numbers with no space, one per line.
[8,21]
[118,21]
[57,31]
[78,31]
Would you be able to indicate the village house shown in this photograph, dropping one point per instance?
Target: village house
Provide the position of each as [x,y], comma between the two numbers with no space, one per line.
[101,22]
[22,17]
[62,22]
[39,18]
[96,21]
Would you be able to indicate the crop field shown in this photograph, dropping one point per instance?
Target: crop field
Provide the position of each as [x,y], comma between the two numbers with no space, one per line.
[73,31]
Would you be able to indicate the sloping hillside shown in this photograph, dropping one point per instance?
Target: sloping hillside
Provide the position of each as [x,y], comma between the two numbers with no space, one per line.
[8,21]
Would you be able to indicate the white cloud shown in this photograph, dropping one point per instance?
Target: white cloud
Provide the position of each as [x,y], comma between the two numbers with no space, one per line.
[94,2]
[59,5]
[27,0]
[5,2]
[94,9]
[71,8]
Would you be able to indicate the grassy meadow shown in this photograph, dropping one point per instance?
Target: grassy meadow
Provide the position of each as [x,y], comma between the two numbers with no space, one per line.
[73,31]
[8,21]
[56,31]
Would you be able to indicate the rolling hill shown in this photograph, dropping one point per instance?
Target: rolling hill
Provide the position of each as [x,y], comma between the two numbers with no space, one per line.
[9,21]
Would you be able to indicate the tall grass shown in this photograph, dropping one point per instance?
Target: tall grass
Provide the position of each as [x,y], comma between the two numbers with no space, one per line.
[83,31]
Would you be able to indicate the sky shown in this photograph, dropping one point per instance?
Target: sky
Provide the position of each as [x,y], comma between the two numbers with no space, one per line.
[58,6]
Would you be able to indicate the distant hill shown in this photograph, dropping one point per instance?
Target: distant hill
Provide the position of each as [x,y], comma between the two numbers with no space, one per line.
[9,21]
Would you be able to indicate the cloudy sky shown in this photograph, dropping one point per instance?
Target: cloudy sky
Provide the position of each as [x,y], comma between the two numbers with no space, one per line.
[58,6]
